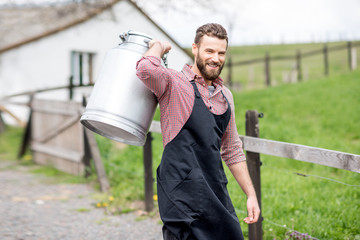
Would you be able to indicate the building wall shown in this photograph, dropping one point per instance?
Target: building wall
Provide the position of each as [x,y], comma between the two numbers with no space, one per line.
[47,62]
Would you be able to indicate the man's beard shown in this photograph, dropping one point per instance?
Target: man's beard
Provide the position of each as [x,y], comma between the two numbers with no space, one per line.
[208,74]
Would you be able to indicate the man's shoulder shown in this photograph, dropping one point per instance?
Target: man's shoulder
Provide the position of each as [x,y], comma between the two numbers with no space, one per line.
[227,91]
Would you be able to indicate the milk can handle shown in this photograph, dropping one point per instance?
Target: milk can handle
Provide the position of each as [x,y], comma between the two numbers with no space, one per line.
[164,58]
[124,36]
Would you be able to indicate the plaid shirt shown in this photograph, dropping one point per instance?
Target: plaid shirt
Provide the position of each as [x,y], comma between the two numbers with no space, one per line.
[176,99]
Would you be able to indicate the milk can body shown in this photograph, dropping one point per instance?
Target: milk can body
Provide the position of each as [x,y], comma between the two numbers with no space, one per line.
[120,106]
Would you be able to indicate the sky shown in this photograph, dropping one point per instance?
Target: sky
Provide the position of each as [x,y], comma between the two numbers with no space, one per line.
[269,21]
[253,22]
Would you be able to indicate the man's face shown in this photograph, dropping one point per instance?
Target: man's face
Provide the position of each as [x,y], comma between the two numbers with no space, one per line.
[210,56]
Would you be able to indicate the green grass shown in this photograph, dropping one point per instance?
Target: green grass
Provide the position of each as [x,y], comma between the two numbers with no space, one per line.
[83,210]
[125,169]
[314,113]
[56,176]
[10,141]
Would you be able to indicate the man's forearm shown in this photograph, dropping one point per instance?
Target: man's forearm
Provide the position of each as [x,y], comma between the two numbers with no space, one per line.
[241,174]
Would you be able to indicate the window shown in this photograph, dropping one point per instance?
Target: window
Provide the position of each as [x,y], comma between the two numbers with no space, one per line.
[81,68]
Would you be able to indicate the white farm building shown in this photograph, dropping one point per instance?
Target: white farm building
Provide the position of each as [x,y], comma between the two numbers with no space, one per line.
[50,46]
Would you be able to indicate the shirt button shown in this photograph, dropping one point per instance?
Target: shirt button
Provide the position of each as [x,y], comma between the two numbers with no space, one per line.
[204,85]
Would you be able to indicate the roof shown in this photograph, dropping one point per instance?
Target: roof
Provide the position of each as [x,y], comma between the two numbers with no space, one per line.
[39,21]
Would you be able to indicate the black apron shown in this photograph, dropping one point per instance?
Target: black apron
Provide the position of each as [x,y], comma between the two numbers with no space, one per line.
[193,199]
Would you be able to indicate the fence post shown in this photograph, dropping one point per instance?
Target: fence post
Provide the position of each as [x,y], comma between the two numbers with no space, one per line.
[2,123]
[230,71]
[71,87]
[95,153]
[148,174]
[267,70]
[253,162]
[353,58]
[87,151]
[26,138]
[326,60]
[298,65]
[349,55]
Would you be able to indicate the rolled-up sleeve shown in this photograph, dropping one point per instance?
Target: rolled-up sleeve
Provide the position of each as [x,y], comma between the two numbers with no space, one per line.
[155,76]
[231,146]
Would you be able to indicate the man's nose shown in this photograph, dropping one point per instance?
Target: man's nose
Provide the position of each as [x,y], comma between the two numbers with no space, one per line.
[215,57]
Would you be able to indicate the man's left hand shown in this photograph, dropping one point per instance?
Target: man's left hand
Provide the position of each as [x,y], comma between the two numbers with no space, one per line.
[253,211]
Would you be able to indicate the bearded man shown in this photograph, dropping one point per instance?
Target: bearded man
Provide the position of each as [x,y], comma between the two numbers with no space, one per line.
[199,131]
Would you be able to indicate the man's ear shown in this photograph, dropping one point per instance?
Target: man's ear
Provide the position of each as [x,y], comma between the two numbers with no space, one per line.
[194,49]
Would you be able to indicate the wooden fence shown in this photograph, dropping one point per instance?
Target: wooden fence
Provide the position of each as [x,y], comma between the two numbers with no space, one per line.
[255,146]
[54,134]
[298,57]
[57,135]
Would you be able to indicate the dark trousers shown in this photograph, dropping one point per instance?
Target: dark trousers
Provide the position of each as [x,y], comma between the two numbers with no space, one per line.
[168,235]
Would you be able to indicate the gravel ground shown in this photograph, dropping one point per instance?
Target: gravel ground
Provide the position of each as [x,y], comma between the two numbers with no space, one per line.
[31,208]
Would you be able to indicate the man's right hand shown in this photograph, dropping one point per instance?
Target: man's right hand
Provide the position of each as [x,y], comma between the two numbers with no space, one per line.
[158,48]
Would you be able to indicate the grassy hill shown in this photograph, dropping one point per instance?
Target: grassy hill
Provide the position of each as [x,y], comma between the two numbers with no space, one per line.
[322,112]
[251,76]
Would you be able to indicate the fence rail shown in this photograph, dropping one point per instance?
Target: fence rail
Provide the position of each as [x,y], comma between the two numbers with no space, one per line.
[330,158]
[29,93]
[321,156]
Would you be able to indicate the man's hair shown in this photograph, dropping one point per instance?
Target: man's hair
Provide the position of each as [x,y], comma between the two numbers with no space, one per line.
[211,30]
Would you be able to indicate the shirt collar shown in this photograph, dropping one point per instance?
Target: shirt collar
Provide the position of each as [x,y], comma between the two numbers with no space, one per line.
[190,75]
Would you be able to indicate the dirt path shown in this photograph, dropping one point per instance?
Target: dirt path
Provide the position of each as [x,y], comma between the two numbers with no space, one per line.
[31,208]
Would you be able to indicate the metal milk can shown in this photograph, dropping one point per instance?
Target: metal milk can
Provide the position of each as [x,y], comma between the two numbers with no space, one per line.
[120,106]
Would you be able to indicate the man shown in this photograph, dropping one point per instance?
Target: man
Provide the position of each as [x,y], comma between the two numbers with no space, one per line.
[197,119]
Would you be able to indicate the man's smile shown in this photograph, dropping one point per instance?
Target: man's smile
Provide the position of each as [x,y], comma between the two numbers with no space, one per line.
[213,65]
